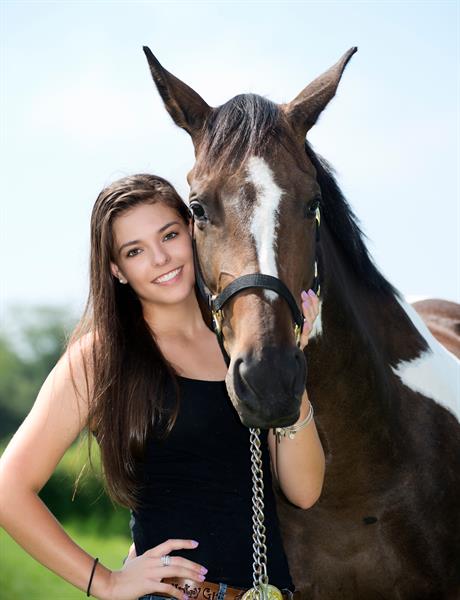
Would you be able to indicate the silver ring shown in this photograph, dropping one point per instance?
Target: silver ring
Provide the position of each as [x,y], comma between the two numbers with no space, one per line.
[165,560]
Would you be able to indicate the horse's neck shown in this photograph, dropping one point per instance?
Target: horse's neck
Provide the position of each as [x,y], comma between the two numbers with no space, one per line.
[364,318]
[369,336]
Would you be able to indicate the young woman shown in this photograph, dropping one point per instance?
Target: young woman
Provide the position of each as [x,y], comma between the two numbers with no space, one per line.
[145,374]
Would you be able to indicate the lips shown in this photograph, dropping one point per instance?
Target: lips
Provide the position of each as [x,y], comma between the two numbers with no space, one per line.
[169,276]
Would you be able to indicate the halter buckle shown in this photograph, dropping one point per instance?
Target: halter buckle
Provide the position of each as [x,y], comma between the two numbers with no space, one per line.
[297,334]
[217,319]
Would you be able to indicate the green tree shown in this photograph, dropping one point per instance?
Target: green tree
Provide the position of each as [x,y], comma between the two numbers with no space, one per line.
[31,343]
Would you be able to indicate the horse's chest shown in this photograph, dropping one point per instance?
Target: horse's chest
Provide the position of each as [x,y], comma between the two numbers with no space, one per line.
[337,552]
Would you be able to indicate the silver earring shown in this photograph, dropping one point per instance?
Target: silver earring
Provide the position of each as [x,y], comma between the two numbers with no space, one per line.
[121,280]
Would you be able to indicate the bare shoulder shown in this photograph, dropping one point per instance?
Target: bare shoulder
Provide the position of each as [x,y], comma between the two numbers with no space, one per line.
[76,363]
[68,387]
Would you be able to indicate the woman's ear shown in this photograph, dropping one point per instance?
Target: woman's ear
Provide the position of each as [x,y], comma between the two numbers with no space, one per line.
[117,273]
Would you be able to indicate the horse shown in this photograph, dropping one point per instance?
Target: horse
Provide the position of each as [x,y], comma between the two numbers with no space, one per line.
[268,209]
[442,318]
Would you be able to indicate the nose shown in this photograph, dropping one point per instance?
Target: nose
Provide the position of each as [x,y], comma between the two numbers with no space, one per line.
[159,257]
[270,387]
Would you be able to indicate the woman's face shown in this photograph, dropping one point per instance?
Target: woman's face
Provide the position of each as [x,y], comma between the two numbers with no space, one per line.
[151,244]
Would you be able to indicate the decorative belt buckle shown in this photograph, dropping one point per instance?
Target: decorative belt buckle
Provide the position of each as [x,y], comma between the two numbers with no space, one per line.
[263,592]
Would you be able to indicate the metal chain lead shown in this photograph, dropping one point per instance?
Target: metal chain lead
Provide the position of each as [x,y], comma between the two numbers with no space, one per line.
[259,546]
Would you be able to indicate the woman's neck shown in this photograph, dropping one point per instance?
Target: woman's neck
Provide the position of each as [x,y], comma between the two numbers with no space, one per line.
[182,320]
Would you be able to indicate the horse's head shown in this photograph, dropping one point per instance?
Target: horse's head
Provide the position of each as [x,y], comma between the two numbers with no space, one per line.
[255,199]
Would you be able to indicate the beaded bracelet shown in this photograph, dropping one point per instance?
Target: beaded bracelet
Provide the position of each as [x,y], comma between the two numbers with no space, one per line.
[293,429]
[96,560]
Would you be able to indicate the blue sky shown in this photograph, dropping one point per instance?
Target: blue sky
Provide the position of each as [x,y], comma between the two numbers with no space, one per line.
[79,109]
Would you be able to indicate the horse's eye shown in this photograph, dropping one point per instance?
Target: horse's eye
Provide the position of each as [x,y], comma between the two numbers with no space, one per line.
[198,211]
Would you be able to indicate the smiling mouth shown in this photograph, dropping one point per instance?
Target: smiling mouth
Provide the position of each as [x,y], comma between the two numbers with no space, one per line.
[168,276]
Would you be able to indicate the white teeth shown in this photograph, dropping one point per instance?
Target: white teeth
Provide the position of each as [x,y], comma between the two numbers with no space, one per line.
[168,276]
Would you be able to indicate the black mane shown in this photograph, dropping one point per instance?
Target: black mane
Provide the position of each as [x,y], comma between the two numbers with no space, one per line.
[344,227]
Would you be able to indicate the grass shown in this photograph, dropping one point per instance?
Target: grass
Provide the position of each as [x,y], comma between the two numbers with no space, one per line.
[23,578]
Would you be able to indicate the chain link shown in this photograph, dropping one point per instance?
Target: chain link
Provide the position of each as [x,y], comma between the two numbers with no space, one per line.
[260,577]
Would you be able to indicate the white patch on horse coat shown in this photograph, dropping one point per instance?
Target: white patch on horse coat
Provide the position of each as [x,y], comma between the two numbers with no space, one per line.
[436,373]
[317,324]
[265,217]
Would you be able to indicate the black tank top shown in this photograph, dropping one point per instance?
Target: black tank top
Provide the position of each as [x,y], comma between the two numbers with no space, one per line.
[196,484]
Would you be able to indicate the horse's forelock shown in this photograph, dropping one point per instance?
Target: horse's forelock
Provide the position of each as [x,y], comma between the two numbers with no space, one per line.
[240,128]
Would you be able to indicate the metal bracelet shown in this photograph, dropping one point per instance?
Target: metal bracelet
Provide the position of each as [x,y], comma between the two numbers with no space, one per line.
[293,429]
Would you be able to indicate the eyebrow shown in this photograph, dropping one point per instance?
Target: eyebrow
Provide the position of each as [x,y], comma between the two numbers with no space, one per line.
[139,241]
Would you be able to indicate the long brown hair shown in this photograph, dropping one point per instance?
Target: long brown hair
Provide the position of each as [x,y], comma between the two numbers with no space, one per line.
[128,369]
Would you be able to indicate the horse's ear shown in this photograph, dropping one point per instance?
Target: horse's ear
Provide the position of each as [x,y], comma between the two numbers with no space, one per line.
[185,106]
[305,109]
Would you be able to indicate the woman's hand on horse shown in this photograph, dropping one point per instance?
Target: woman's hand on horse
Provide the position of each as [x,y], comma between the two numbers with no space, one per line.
[143,574]
[310,310]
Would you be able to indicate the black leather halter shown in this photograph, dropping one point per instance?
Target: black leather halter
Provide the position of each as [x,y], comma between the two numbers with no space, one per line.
[253,280]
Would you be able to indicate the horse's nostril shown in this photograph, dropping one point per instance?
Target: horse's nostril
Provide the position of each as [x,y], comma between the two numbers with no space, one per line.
[239,383]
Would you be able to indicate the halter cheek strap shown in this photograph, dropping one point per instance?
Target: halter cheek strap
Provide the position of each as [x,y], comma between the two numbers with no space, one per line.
[253,280]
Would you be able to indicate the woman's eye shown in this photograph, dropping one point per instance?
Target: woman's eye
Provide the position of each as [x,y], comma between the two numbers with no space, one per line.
[133,252]
[173,233]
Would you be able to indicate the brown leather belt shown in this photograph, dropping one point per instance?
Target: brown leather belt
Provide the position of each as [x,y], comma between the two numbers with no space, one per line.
[209,590]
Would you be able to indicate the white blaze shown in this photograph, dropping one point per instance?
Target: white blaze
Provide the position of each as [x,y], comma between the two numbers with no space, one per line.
[436,373]
[264,222]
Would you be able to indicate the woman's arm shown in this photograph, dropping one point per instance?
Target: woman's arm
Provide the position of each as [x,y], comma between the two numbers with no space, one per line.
[299,463]
[56,419]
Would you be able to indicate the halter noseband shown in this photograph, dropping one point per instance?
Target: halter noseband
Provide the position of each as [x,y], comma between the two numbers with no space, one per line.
[253,280]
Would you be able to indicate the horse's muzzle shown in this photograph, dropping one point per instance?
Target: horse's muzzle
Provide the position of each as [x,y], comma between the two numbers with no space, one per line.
[269,388]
